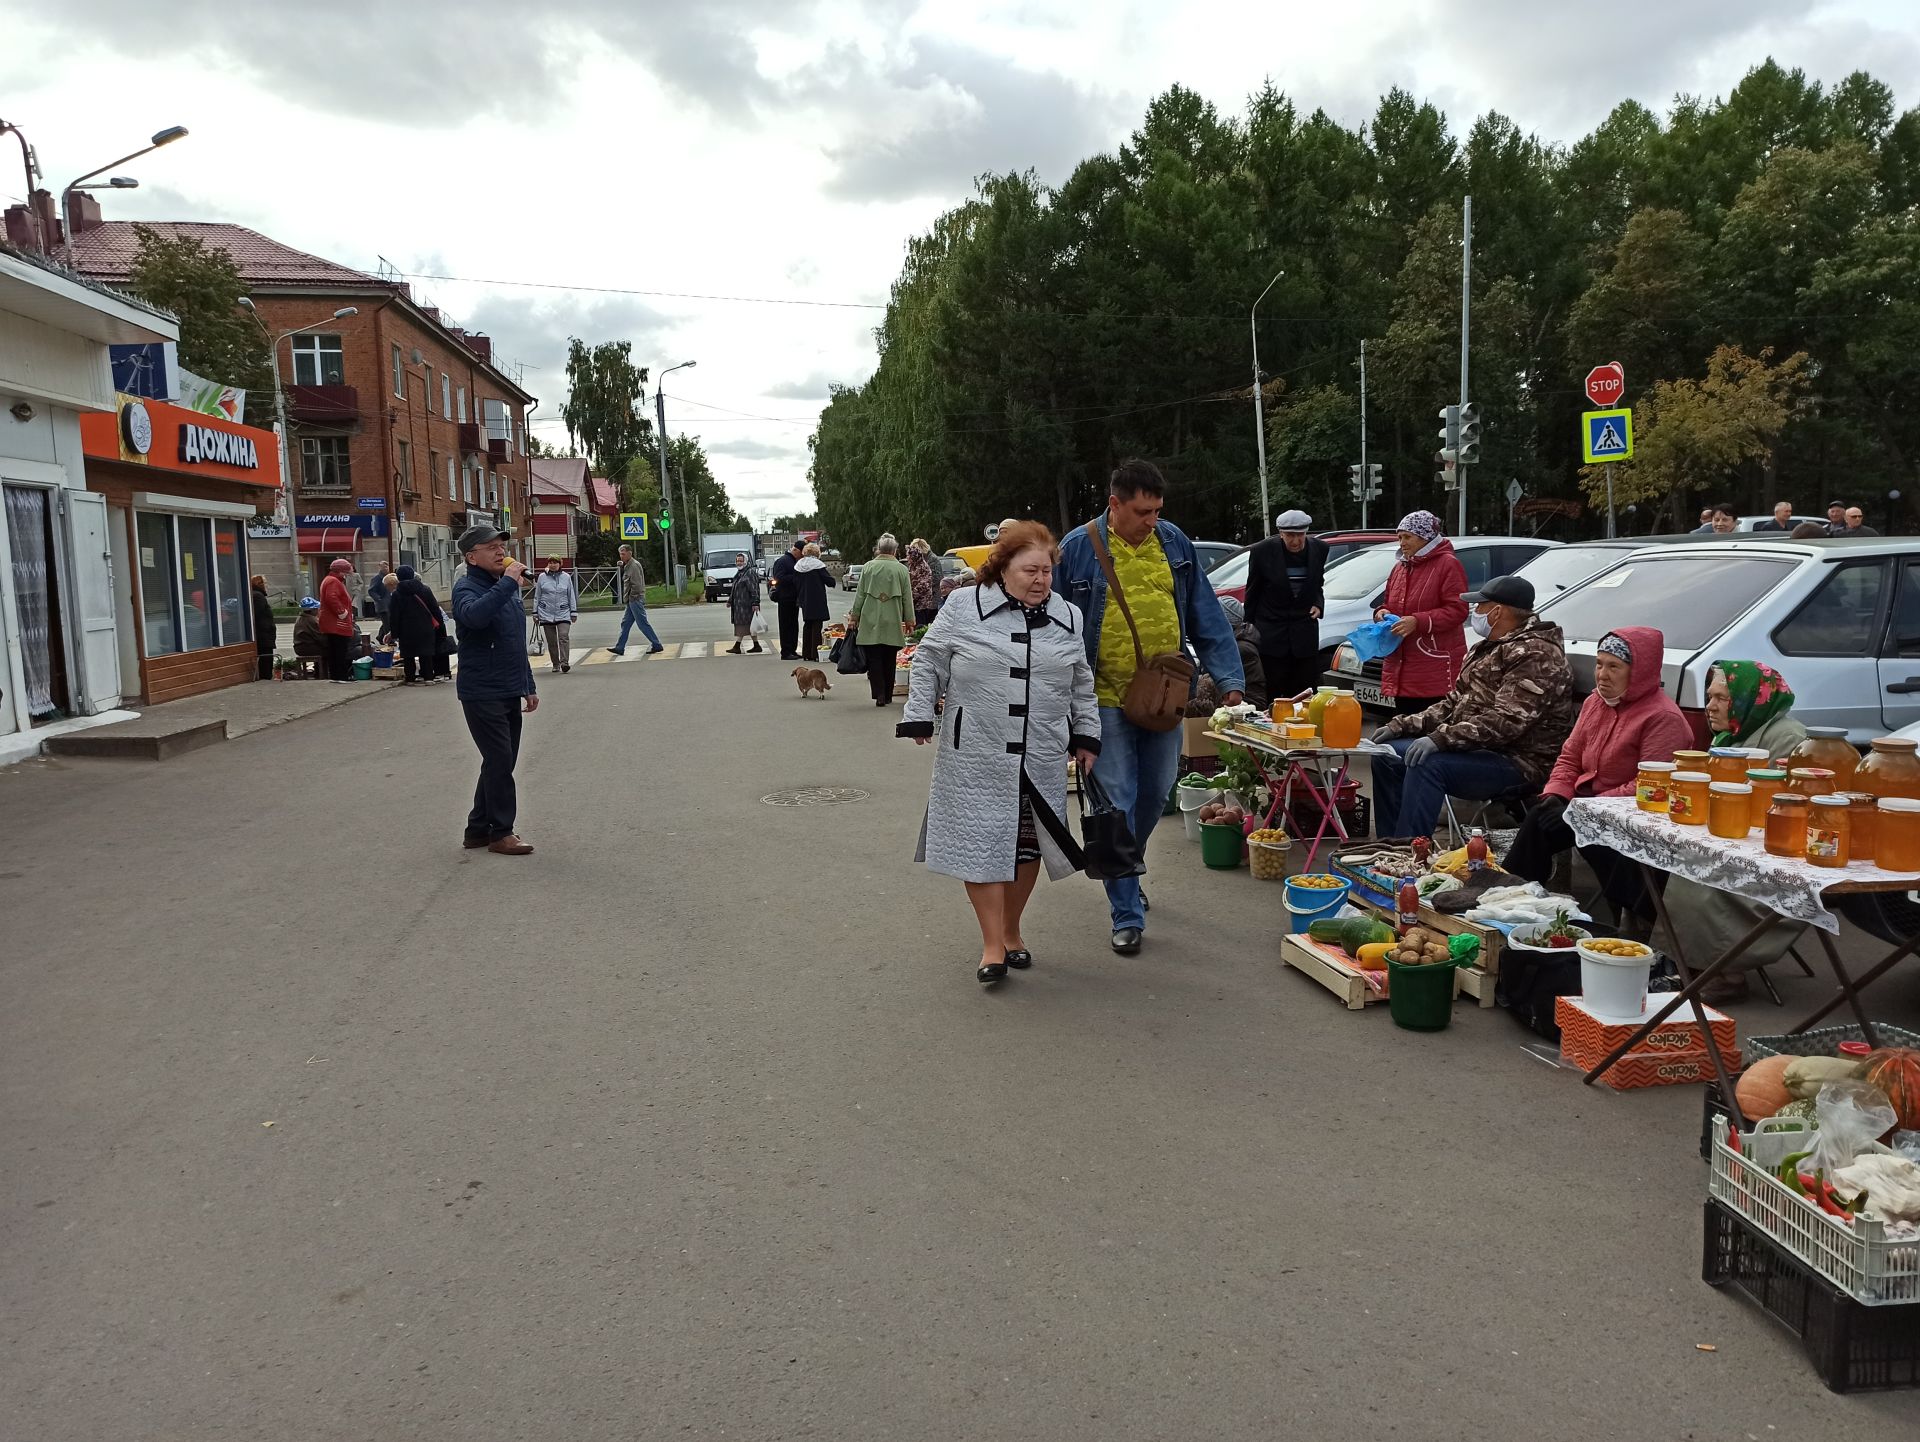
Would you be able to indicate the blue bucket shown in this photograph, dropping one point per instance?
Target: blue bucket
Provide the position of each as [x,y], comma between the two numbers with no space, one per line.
[1308,904]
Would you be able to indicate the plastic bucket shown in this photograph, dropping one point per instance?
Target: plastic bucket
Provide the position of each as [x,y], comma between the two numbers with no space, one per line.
[1308,904]
[1615,986]
[1221,845]
[363,668]
[1192,798]
[1192,820]
[1419,998]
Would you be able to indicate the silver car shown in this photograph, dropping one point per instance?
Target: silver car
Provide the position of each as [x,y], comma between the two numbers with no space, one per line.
[851,581]
[1840,619]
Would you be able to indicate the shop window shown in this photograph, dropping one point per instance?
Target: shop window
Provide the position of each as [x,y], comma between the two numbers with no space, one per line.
[158,601]
[319,360]
[325,464]
[230,574]
[198,594]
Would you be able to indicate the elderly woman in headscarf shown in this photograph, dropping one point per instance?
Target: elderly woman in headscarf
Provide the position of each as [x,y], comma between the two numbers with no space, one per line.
[416,623]
[1426,593]
[308,643]
[1747,705]
[744,604]
[926,597]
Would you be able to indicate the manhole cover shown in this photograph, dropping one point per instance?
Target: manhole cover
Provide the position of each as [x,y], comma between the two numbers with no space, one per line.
[815,796]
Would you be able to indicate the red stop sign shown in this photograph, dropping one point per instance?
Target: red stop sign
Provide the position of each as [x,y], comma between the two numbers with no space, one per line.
[1606,385]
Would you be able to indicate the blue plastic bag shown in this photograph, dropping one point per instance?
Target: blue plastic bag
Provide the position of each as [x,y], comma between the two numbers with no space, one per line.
[1374,639]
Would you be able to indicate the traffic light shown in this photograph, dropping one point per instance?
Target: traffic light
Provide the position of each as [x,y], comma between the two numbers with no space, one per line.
[1469,446]
[1374,482]
[1449,432]
[666,519]
[1354,483]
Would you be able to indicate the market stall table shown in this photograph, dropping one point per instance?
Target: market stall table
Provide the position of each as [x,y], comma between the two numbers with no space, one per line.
[1792,890]
[1306,765]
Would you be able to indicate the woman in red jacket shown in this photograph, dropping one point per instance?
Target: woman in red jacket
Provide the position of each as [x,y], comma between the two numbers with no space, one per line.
[1427,591]
[337,628]
[1628,719]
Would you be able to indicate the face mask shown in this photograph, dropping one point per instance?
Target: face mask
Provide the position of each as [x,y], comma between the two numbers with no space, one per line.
[1481,625]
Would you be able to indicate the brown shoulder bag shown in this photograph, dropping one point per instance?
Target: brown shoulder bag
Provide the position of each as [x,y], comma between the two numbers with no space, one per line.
[1156,698]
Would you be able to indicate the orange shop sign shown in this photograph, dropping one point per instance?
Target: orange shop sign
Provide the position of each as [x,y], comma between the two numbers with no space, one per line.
[154,433]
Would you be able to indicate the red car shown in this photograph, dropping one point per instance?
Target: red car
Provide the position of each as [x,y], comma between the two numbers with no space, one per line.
[1229,578]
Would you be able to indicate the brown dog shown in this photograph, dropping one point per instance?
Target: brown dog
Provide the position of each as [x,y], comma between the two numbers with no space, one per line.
[811,679]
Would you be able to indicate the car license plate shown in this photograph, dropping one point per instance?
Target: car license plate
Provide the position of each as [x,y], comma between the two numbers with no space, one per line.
[1368,693]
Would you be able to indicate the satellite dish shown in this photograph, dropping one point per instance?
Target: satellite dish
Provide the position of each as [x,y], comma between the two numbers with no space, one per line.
[992,533]
[418,357]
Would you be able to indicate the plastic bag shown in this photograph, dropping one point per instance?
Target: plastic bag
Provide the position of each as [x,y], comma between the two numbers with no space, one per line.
[1374,639]
[758,626]
[1851,1116]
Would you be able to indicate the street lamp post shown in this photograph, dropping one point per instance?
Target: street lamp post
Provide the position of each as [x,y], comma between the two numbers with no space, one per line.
[280,422]
[119,182]
[660,409]
[1259,407]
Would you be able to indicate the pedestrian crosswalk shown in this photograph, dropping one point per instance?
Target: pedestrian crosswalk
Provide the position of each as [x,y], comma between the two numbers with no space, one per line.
[675,651]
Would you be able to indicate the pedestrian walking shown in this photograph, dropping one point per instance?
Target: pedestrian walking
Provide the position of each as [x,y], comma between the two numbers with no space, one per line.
[882,615]
[418,627]
[556,606]
[265,629]
[743,602]
[337,629]
[785,587]
[1427,591]
[1137,580]
[926,595]
[495,682]
[1003,682]
[631,578]
[811,575]
[1286,575]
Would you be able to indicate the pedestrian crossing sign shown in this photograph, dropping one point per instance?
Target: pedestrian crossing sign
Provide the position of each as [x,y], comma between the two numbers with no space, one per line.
[1608,435]
[632,527]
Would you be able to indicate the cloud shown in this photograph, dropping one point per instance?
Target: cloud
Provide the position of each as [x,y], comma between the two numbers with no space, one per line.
[814,387]
[533,334]
[749,449]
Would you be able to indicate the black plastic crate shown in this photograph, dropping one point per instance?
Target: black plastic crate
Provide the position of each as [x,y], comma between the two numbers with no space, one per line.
[1854,1347]
[1714,1108]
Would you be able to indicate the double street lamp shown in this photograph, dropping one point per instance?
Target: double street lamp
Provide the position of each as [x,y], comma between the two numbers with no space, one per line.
[119,182]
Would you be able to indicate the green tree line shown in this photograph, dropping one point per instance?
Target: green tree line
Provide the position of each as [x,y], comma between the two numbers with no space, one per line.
[1753,261]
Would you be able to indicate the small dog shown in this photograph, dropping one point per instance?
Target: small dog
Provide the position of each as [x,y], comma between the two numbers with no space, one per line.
[810,678]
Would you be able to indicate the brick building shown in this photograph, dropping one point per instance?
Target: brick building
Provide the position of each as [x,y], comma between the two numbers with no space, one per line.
[403,429]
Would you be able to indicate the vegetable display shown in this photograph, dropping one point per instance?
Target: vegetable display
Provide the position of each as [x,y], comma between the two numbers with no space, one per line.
[1762,1088]
[1896,1071]
[1350,933]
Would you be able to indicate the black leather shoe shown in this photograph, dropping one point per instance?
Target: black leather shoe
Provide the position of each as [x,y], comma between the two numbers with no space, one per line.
[1126,940]
[1020,959]
[992,973]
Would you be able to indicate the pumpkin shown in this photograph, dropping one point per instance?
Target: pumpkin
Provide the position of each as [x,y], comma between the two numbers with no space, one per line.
[1762,1088]
[1896,1071]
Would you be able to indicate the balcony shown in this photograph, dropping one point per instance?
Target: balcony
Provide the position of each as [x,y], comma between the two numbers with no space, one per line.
[497,449]
[471,438]
[335,405]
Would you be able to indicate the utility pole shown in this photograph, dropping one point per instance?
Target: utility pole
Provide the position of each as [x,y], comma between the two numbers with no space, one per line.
[666,485]
[1259,407]
[1366,487]
[1466,276]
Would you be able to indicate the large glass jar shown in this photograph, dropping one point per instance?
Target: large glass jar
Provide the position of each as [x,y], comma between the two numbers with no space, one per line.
[1690,760]
[1728,763]
[1866,824]
[1828,747]
[1650,787]
[1787,825]
[1687,798]
[1891,769]
[1317,706]
[1727,805]
[1899,827]
[1812,780]
[1766,784]
[1829,831]
[1341,721]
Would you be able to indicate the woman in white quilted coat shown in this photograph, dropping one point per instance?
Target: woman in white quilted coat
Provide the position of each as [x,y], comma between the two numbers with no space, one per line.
[1001,682]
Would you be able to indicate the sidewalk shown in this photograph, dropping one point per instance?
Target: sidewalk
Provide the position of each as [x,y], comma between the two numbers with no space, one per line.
[173,727]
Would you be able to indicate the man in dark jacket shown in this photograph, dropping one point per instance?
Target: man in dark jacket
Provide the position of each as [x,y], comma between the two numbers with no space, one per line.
[786,595]
[494,677]
[1286,593]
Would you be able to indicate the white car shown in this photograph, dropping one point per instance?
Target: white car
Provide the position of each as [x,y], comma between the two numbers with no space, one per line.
[851,581]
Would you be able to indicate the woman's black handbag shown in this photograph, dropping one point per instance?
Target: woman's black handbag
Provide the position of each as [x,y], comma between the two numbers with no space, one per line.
[847,657]
[1111,851]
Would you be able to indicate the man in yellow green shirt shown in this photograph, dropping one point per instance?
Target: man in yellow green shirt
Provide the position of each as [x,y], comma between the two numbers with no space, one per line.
[1174,609]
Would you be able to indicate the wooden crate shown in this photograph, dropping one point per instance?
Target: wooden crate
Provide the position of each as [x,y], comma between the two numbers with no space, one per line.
[1338,976]
[1476,982]
[1492,939]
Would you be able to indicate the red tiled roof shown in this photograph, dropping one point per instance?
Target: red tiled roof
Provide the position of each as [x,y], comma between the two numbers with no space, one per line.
[564,478]
[107,253]
[606,501]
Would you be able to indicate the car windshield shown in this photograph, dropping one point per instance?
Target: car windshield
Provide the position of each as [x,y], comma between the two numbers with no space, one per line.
[720,558]
[1561,568]
[1689,599]
[1361,574]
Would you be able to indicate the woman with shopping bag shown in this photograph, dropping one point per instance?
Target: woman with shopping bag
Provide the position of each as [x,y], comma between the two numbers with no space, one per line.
[744,602]
[1002,685]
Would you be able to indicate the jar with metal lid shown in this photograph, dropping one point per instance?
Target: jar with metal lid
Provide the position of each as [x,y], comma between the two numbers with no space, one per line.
[1811,780]
[1690,760]
[1891,769]
[1687,798]
[1766,783]
[1727,806]
[1650,787]
[1827,747]
[1829,831]
[1865,821]
[1786,833]
[1898,820]
[1728,763]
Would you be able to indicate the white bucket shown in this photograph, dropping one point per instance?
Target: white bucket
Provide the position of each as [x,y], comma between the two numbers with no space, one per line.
[1615,986]
[1192,818]
[1192,798]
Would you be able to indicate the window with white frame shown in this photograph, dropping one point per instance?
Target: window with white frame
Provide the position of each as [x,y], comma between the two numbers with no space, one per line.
[499,424]
[193,583]
[319,360]
[433,472]
[453,487]
[403,467]
[325,464]
[446,396]
[399,373]
[460,403]
[466,483]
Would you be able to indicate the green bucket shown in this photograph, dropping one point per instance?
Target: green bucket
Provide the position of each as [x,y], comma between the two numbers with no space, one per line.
[1222,845]
[1420,998]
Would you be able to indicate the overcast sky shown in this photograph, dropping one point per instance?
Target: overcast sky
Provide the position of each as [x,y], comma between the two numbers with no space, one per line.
[773,149]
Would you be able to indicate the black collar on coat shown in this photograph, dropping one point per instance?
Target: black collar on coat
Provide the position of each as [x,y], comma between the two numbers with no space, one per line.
[989,600]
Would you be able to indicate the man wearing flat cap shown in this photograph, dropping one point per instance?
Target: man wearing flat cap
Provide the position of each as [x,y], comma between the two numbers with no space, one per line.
[1286,593]
[495,681]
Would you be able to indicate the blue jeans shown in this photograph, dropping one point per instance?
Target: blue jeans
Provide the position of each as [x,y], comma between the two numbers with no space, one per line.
[1138,769]
[636,616]
[1407,799]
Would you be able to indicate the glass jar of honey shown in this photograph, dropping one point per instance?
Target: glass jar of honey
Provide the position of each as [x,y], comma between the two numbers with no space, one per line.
[1811,780]
[1728,763]
[1687,798]
[1866,824]
[1650,788]
[1786,833]
[1898,822]
[1690,761]
[1765,783]
[1891,769]
[1827,747]
[1829,831]
[1727,807]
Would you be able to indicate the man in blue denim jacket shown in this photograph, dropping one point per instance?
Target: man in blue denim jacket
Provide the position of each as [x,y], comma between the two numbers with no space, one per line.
[1173,608]
[494,678]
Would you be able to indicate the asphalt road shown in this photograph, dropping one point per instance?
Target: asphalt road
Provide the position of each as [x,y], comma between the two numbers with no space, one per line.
[695,1123]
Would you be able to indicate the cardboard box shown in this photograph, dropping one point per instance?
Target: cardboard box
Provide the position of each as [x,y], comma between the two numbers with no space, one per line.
[1194,742]
[1661,1069]
[1587,1037]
